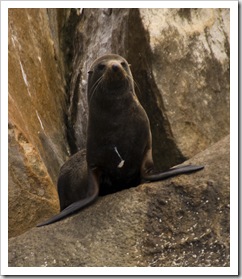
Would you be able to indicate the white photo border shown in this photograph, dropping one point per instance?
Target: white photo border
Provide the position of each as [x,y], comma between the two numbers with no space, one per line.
[234,101]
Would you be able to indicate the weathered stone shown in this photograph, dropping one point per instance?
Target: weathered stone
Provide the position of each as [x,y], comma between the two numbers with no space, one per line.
[31,193]
[37,135]
[36,86]
[183,221]
[190,58]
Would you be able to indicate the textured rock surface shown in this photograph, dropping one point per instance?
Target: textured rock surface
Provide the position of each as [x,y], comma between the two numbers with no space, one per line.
[31,193]
[37,136]
[182,221]
[36,86]
[190,67]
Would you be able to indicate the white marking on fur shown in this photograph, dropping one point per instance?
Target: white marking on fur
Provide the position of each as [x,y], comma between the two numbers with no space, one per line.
[120,165]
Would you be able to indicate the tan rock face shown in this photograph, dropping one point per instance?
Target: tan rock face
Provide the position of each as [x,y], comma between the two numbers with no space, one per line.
[190,67]
[180,60]
[37,133]
[31,193]
[36,87]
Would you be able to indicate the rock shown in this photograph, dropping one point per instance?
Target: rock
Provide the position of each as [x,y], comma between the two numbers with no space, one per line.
[180,62]
[30,188]
[190,58]
[183,221]
[36,86]
[37,132]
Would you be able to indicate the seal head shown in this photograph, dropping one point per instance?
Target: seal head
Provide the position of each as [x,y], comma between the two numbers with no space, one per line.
[110,75]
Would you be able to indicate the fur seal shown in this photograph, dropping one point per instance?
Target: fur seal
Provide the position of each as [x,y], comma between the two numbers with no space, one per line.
[119,141]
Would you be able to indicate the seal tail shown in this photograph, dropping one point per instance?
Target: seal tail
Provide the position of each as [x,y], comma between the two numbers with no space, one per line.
[154,176]
[71,208]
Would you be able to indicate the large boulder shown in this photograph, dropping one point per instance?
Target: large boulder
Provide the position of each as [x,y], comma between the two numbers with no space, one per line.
[31,193]
[182,221]
[189,68]
[36,91]
[37,132]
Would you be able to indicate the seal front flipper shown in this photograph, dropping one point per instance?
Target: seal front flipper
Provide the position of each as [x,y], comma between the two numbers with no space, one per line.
[149,174]
[93,185]
[155,176]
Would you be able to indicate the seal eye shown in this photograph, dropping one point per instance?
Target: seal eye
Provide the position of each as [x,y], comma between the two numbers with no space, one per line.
[101,67]
[124,65]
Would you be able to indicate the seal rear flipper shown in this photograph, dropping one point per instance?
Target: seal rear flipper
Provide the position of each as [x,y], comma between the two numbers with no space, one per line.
[69,210]
[155,176]
[93,181]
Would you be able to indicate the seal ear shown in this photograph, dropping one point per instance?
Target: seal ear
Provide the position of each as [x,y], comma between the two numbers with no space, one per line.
[90,72]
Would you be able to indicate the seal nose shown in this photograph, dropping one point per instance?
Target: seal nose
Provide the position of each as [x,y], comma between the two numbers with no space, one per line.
[115,67]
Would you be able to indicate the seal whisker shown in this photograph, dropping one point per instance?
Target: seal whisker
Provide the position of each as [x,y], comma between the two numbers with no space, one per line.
[131,79]
[136,84]
[95,87]
[96,83]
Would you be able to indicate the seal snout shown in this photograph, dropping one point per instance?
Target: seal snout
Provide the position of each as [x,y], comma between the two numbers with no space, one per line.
[115,67]
[115,74]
